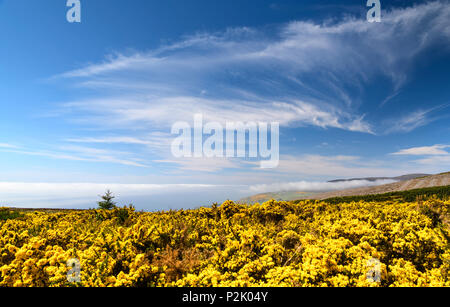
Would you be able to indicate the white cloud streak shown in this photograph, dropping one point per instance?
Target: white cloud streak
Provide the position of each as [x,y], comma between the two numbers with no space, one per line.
[6,145]
[435,157]
[335,166]
[424,151]
[441,161]
[411,121]
[147,113]
[305,186]
[80,153]
[209,165]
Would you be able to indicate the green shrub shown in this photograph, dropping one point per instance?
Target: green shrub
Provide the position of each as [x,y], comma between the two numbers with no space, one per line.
[8,214]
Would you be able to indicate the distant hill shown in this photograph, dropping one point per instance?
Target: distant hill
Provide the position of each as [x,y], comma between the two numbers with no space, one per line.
[417,183]
[398,178]
[441,192]
[402,182]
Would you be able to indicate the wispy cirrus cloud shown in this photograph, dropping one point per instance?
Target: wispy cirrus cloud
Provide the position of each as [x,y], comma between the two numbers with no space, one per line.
[158,142]
[415,119]
[338,166]
[300,74]
[209,165]
[7,145]
[409,122]
[144,113]
[303,73]
[81,153]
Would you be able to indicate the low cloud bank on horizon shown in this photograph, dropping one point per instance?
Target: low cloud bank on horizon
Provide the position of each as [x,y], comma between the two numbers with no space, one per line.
[149,196]
[306,186]
[86,195]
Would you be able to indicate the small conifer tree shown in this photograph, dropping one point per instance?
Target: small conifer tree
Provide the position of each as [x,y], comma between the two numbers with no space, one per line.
[107,201]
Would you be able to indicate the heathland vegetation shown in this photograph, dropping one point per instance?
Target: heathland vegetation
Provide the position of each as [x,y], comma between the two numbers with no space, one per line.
[393,241]
[405,196]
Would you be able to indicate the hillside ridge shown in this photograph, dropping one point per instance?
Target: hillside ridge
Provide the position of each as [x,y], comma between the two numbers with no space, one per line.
[417,183]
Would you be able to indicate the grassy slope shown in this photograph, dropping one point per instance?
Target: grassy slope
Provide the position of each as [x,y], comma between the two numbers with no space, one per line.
[407,196]
[439,180]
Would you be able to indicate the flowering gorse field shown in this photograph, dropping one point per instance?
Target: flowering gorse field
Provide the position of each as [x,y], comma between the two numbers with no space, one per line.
[311,243]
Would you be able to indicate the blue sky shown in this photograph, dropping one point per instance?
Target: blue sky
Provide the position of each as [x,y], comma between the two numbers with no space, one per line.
[89,106]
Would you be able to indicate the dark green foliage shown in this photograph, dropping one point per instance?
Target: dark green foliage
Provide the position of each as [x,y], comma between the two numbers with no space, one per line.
[123,214]
[7,214]
[406,196]
[107,202]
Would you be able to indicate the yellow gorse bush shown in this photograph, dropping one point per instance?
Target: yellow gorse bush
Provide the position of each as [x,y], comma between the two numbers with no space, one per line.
[274,244]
